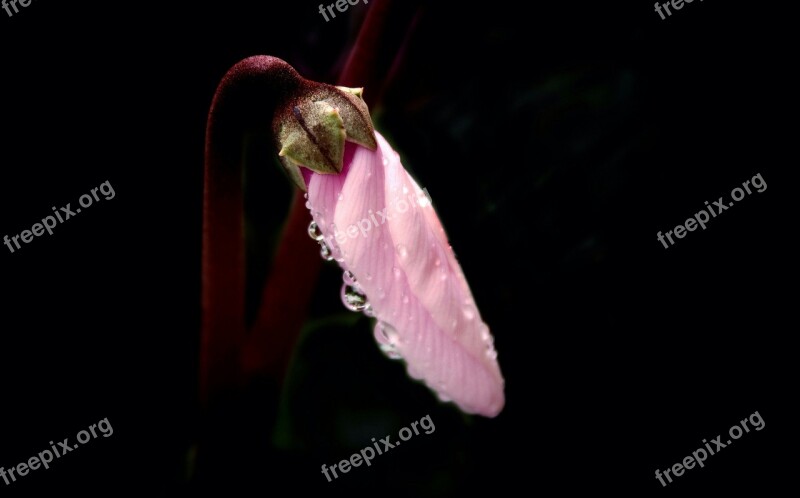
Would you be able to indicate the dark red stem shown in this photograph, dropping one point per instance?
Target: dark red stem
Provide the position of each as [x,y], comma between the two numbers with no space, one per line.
[245,100]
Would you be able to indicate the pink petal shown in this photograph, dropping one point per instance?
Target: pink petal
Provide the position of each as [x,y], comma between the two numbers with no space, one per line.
[408,271]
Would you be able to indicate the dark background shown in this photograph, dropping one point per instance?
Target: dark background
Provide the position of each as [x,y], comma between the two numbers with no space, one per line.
[555,141]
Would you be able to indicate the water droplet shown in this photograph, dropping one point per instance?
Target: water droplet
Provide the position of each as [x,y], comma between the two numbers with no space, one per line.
[405,299]
[386,333]
[443,275]
[369,276]
[397,272]
[437,262]
[340,197]
[305,196]
[405,189]
[368,311]
[453,323]
[392,354]
[380,336]
[325,251]
[385,161]
[387,338]
[337,252]
[308,205]
[349,278]
[402,251]
[353,299]
[440,388]
[414,373]
[491,353]
[314,231]
[469,312]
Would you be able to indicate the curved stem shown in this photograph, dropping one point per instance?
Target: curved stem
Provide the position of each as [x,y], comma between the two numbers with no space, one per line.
[245,99]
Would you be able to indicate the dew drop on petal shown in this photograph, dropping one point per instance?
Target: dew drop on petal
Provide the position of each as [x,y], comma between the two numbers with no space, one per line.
[368,311]
[348,278]
[353,299]
[385,161]
[402,251]
[491,352]
[469,312]
[397,272]
[386,334]
[440,389]
[392,354]
[340,197]
[380,336]
[325,251]
[414,373]
[387,338]
[314,231]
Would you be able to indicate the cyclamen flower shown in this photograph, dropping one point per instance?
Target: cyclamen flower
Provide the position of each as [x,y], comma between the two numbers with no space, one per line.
[400,269]
[398,266]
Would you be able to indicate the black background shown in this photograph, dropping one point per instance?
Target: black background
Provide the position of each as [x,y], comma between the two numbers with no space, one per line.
[556,142]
